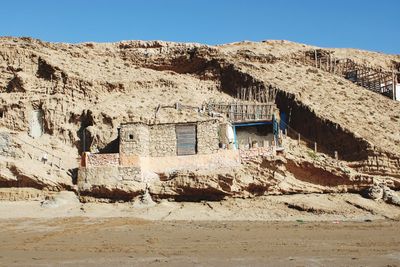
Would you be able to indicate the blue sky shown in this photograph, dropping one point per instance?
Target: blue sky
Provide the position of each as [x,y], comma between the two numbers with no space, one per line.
[364,24]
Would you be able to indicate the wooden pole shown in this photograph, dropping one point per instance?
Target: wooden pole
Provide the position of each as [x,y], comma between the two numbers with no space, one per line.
[394,85]
[316,58]
[51,84]
[334,66]
[327,63]
[298,139]
[315,147]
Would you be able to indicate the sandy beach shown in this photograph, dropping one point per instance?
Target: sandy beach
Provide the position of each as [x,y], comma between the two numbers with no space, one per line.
[80,241]
[293,230]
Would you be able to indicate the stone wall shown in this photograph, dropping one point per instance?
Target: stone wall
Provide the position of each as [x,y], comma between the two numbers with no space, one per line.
[159,140]
[207,137]
[248,154]
[96,160]
[107,176]
[98,176]
[162,140]
[134,139]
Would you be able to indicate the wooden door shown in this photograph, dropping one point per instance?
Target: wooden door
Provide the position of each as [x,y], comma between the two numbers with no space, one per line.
[186,139]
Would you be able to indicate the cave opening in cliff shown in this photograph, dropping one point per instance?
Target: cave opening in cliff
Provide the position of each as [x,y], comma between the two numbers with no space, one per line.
[86,120]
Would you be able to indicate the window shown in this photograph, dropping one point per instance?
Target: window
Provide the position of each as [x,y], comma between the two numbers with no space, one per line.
[128,136]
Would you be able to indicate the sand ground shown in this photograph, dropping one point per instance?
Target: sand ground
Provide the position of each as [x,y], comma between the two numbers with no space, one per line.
[294,230]
[82,241]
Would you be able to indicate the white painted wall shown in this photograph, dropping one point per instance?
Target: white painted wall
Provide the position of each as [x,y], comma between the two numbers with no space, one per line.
[36,123]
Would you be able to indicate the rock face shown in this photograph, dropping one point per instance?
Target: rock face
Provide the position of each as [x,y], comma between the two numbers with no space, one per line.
[83,92]
[5,145]
[381,191]
[375,192]
[391,196]
[60,199]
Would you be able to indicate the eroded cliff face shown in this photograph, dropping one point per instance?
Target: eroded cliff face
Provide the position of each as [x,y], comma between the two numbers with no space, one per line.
[292,173]
[86,91]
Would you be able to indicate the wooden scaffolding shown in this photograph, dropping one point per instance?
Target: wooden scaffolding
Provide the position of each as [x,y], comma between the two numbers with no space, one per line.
[374,79]
[256,93]
[237,112]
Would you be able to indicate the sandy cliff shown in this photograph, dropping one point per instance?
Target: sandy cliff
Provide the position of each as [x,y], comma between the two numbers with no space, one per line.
[97,86]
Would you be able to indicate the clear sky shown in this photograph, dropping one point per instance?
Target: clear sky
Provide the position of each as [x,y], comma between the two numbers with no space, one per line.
[364,24]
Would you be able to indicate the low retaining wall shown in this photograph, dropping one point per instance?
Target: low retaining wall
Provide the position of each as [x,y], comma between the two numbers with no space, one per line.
[107,176]
[256,152]
[221,159]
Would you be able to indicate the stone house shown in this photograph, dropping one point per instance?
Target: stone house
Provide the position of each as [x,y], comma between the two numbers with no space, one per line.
[169,139]
[148,151]
[180,141]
